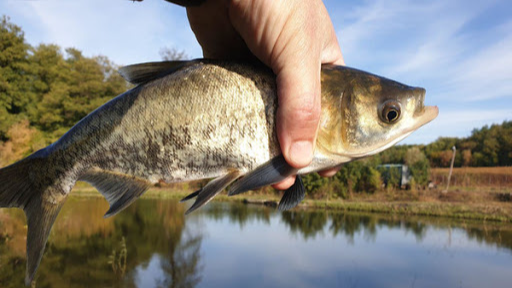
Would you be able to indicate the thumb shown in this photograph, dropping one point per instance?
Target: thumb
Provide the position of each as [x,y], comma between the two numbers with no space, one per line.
[299,110]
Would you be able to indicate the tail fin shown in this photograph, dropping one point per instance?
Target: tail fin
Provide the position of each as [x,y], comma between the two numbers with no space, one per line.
[22,186]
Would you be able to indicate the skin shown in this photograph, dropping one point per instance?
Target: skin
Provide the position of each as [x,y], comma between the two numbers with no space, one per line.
[294,38]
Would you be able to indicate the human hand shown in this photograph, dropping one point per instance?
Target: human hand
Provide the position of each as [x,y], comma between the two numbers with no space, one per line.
[293,37]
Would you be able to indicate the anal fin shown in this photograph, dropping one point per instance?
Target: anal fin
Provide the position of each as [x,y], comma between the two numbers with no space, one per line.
[120,190]
[211,189]
[271,172]
[293,195]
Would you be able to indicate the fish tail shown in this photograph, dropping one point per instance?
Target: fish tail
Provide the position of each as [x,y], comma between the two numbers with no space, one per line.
[27,184]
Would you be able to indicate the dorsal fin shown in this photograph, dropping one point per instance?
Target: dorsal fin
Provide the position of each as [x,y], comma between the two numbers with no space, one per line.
[144,72]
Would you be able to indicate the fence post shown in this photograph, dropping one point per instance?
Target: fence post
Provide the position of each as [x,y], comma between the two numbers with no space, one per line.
[451,170]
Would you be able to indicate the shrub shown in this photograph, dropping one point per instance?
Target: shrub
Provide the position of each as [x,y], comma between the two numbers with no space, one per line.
[369,181]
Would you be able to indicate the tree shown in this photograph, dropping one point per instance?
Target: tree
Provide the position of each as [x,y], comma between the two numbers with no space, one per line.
[466,157]
[370,180]
[14,75]
[490,149]
[50,88]
[505,140]
[418,165]
[68,88]
[172,54]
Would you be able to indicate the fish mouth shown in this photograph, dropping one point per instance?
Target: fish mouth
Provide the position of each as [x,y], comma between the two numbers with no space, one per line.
[429,113]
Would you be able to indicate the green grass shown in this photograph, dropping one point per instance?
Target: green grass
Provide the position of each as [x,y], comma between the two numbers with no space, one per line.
[452,210]
[474,210]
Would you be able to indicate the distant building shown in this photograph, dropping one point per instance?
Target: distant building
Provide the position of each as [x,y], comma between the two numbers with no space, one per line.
[395,173]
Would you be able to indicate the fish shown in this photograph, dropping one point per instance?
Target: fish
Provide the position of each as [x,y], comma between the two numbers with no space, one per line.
[198,119]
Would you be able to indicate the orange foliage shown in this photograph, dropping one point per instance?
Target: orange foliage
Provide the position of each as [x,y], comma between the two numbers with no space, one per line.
[21,137]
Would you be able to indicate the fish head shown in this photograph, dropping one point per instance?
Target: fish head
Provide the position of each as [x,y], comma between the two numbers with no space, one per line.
[364,114]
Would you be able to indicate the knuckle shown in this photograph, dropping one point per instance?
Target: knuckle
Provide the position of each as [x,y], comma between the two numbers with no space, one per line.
[306,114]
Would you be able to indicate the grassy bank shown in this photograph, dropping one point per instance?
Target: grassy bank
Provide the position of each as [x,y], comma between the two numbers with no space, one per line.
[461,204]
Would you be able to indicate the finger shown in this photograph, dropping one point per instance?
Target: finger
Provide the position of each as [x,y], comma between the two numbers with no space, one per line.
[285,184]
[292,37]
[297,62]
[215,33]
[329,172]
[299,111]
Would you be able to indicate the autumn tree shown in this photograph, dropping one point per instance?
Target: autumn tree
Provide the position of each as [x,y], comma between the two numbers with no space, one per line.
[172,54]
[47,89]
[418,165]
[15,91]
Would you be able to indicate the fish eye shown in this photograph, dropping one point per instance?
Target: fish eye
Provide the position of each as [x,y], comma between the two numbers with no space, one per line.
[390,112]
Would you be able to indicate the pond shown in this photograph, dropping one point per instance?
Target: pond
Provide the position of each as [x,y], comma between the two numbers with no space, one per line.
[152,244]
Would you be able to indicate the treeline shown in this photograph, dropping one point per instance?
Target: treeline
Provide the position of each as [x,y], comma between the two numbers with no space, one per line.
[44,92]
[487,146]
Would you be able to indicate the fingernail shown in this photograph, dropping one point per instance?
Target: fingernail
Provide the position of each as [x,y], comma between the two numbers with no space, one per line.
[301,153]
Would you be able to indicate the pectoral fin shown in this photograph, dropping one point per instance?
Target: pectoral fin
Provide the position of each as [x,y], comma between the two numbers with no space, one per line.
[293,196]
[211,189]
[120,190]
[274,171]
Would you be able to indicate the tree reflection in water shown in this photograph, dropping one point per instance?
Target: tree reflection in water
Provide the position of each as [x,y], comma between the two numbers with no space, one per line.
[237,213]
[182,266]
[81,243]
[307,223]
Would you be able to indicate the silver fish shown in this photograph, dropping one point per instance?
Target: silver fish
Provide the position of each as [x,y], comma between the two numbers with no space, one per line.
[189,120]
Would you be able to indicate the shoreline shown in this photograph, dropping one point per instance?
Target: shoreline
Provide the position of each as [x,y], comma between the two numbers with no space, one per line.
[465,206]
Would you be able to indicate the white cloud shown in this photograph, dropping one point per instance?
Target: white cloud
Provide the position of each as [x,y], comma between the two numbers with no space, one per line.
[488,74]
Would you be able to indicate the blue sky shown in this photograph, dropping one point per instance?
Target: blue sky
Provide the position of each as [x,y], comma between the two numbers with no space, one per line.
[460,51]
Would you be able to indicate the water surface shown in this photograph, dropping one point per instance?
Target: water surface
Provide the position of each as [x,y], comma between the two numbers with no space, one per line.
[152,244]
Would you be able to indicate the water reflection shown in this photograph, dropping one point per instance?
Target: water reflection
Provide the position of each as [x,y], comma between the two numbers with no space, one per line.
[182,266]
[306,223]
[82,244]
[310,223]
[152,244]
[237,213]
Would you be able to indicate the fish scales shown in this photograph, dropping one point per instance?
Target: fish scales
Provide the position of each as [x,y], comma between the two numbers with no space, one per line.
[196,123]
